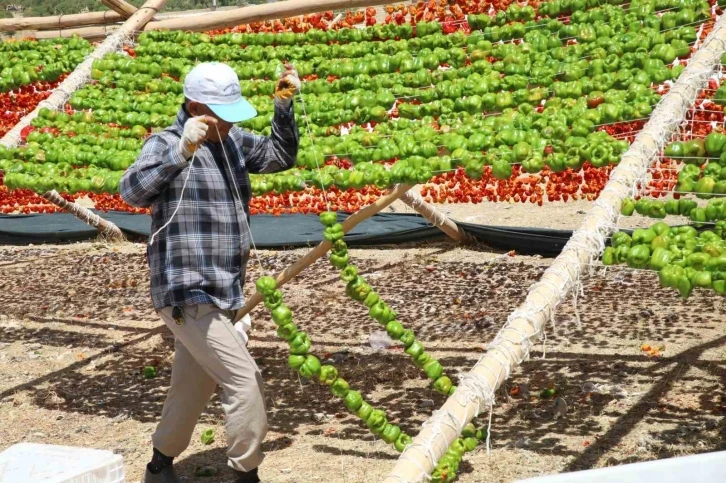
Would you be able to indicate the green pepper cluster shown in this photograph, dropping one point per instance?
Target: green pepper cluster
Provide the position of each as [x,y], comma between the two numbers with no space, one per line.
[714,211]
[683,257]
[707,181]
[309,367]
[359,290]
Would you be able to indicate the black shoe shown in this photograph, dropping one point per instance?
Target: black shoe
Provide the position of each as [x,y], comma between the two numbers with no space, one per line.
[166,475]
[247,476]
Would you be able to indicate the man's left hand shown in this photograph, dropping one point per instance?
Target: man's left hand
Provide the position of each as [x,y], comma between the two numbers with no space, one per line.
[287,86]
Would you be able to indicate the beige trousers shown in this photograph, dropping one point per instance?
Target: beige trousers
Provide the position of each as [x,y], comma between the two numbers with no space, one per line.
[209,351]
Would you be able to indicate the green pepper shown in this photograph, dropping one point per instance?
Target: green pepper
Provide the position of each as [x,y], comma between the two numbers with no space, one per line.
[442,385]
[287,331]
[282,315]
[702,279]
[628,207]
[621,239]
[349,273]
[149,372]
[415,349]
[643,236]
[340,387]
[273,300]
[698,260]
[353,401]
[422,359]
[660,258]
[339,261]
[328,374]
[378,311]
[371,299]
[656,209]
[295,362]
[608,256]
[266,285]
[394,329]
[402,441]
[638,256]
[714,143]
[364,411]
[433,369]
[671,207]
[390,433]
[300,344]
[695,148]
[310,368]
[685,206]
[328,218]
[334,233]
[407,337]
[376,421]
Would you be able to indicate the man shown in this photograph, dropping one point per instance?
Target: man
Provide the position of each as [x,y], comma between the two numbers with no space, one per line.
[195,177]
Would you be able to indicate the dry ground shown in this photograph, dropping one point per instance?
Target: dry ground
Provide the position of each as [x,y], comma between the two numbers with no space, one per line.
[76,328]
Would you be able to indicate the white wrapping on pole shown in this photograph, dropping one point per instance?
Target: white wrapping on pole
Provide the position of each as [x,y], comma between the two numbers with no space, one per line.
[512,344]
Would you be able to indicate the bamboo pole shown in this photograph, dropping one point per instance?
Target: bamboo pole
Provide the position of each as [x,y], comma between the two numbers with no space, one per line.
[120,7]
[105,227]
[59,22]
[88,33]
[258,13]
[322,247]
[511,346]
[438,219]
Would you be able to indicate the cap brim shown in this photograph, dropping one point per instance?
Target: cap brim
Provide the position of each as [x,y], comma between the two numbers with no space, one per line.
[236,112]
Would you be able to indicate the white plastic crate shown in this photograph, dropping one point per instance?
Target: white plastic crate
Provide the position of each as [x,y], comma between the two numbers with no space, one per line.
[707,467]
[44,463]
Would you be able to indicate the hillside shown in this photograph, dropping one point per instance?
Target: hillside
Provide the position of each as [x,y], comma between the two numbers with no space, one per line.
[63,7]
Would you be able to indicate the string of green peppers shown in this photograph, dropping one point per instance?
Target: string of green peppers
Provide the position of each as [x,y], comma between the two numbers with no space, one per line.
[309,367]
[359,290]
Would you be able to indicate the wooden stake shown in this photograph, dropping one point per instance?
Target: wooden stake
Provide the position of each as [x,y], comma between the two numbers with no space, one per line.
[60,22]
[120,7]
[322,247]
[438,219]
[258,13]
[104,226]
[508,350]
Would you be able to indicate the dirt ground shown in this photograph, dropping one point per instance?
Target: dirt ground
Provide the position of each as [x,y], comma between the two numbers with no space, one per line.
[77,328]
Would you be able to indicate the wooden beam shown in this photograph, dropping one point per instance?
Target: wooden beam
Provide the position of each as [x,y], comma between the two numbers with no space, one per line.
[258,13]
[438,219]
[121,7]
[104,226]
[323,247]
[59,22]
[88,33]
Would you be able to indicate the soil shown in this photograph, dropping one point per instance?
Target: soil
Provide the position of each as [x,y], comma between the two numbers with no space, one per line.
[77,329]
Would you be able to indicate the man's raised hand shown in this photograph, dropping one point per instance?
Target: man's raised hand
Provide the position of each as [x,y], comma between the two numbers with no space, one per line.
[195,132]
[287,86]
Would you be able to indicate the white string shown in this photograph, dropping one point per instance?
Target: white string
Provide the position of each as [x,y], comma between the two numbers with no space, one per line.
[238,201]
[181,197]
[312,144]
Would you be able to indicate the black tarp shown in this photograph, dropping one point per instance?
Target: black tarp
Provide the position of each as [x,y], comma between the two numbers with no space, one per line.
[290,231]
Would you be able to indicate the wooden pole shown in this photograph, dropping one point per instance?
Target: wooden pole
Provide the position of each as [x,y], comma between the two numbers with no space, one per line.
[258,13]
[121,7]
[105,227]
[88,33]
[475,391]
[60,22]
[438,219]
[323,247]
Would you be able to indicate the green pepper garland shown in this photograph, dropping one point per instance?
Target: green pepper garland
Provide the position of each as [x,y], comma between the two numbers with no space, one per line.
[358,289]
[309,366]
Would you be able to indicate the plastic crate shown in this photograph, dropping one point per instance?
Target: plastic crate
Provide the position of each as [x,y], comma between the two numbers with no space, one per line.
[707,467]
[44,463]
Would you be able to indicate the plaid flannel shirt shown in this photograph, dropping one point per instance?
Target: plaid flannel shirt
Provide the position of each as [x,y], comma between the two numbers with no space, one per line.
[200,257]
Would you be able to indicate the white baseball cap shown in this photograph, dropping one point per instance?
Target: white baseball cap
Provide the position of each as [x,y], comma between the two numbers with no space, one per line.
[216,85]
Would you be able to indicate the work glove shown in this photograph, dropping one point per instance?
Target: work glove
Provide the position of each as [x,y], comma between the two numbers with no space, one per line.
[243,326]
[287,87]
[195,132]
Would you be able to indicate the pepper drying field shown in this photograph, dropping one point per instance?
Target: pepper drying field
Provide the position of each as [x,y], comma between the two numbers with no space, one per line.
[514,114]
